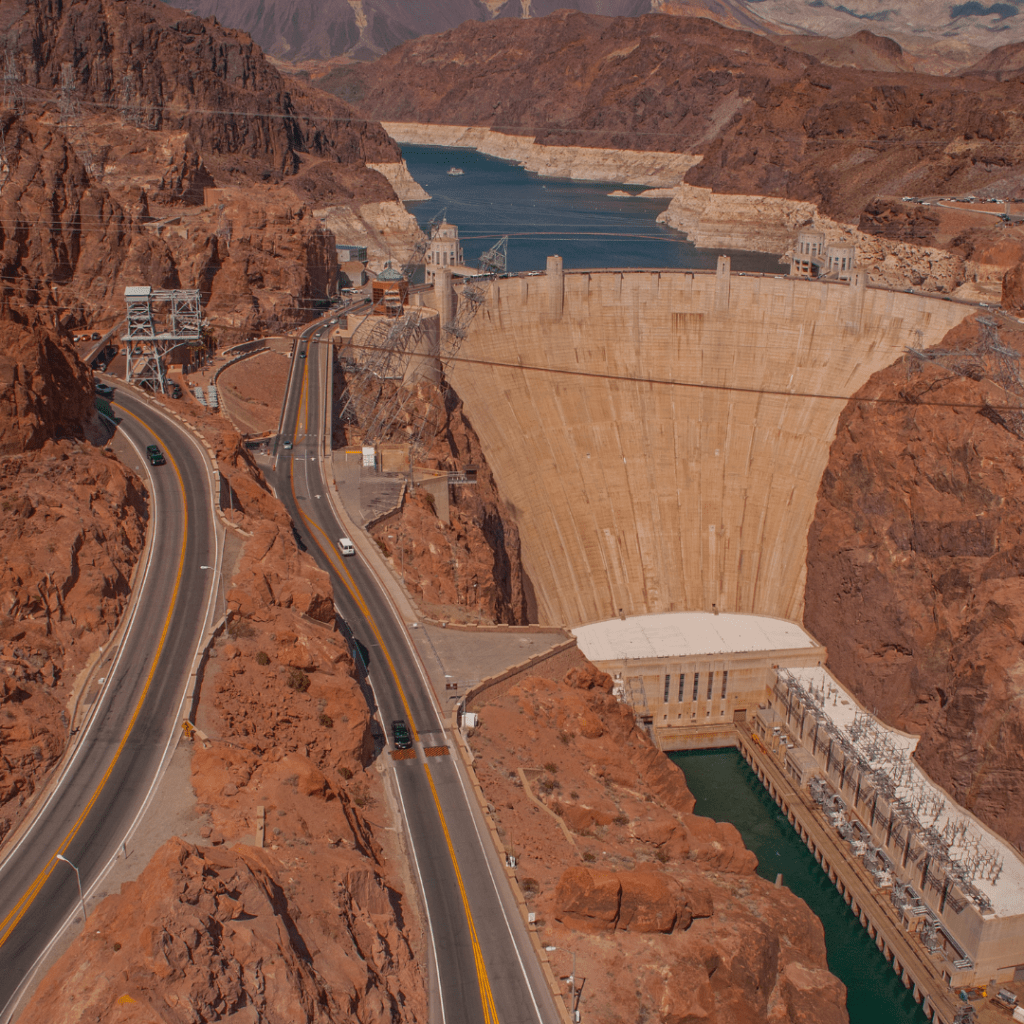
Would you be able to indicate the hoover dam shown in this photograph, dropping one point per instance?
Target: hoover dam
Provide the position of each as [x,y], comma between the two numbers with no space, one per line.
[661,435]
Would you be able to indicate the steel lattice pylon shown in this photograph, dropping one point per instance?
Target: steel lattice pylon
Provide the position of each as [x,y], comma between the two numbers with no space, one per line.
[149,348]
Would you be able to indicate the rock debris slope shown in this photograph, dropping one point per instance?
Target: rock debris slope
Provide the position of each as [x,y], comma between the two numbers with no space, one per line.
[915,568]
[664,909]
[315,926]
[151,180]
[780,133]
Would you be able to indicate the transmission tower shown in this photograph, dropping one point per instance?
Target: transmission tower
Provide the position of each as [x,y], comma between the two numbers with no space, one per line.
[5,166]
[70,108]
[148,347]
[495,260]
[419,250]
[14,91]
[131,108]
[71,118]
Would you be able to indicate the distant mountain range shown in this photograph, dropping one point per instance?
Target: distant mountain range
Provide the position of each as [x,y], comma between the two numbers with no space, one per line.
[938,36]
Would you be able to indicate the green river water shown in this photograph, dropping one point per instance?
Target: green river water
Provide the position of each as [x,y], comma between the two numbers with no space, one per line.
[727,790]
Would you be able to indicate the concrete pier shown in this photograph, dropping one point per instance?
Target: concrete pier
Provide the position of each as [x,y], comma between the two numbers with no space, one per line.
[909,960]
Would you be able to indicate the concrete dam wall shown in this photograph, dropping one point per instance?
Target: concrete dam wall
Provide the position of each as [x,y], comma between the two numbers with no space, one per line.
[661,436]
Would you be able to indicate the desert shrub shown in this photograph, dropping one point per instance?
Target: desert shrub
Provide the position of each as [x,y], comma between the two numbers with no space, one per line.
[262,658]
[529,885]
[589,857]
[326,721]
[382,544]
[361,800]
[564,737]
[297,680]
[239,628]
[550,767]
[620,819]
[661,855]
[574,795]
[547,785]
[117,946]
[345,773]
[431,503]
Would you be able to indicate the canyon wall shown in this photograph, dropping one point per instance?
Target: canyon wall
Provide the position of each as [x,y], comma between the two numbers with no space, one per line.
[660,437]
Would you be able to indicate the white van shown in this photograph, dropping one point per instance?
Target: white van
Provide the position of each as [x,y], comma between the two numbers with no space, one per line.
[346,546]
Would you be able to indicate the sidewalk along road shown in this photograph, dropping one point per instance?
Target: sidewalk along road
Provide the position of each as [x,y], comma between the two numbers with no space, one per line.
[484,967]
[106,782]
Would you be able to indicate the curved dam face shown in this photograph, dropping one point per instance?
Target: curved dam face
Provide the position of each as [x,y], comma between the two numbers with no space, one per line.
[660,436]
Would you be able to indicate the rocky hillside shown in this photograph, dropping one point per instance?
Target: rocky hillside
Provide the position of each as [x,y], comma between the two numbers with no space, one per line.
[188,162]
[940,39]
[664,910]
[915,569]
[315,926]
[321,29]
[769,120]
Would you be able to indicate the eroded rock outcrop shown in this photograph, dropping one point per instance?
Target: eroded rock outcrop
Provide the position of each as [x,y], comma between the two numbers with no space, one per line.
[155,185]
[915,570]
[663,904]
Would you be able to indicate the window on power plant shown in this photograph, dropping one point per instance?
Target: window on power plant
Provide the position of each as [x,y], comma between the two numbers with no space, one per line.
[668,683]
[711,683]
[696,684]
[682,684]
[725,682]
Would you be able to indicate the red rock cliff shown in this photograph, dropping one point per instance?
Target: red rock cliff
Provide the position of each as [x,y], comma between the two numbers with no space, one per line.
[915,567]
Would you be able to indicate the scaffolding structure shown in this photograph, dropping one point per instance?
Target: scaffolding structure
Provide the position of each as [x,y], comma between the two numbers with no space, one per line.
[394,379]
[495,260]
[131,106]
[990,360]
[147,346]
[921,827]
[14,87]
[71,118]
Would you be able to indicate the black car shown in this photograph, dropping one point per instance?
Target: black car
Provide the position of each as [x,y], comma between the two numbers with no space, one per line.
[400,733]
[176,391]
[155,456]
[104,389]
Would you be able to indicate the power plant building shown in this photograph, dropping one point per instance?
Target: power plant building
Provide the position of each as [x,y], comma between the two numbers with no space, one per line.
[695,679]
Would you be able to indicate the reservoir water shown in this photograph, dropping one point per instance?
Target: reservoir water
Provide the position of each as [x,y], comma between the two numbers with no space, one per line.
[590,229]
[577,220]
[727,790]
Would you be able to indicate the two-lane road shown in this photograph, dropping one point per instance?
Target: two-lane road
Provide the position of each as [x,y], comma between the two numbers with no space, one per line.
[485,968]
[106,782]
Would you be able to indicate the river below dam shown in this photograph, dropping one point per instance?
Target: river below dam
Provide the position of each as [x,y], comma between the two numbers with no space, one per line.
[588,228]
[577,220]
[727,790]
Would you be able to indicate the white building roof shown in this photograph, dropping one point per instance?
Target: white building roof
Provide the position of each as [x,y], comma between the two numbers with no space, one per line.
[937,808]
[685,634]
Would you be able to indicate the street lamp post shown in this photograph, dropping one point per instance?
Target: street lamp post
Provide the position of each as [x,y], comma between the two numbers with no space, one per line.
[78,875]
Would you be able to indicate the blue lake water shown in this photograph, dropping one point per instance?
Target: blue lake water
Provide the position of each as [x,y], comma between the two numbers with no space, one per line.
[590,229]
[543,217]
[727,790]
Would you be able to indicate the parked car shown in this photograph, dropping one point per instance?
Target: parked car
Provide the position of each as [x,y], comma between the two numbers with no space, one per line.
[95,335]
[155,456]
[401,735]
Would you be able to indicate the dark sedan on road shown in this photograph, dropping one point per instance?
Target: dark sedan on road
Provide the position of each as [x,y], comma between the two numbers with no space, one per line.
[401,735]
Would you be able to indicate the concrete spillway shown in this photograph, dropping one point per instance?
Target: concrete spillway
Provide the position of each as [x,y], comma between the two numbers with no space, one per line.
[672,461]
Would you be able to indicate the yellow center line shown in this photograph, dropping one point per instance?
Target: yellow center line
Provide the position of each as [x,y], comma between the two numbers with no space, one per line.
[14,916]
[334,560]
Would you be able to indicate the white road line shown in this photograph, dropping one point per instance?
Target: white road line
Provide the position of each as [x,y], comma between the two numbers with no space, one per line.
[412,845]
[168,748]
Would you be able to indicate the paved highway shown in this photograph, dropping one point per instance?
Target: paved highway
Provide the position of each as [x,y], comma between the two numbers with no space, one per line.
[107,780]
[484,967]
